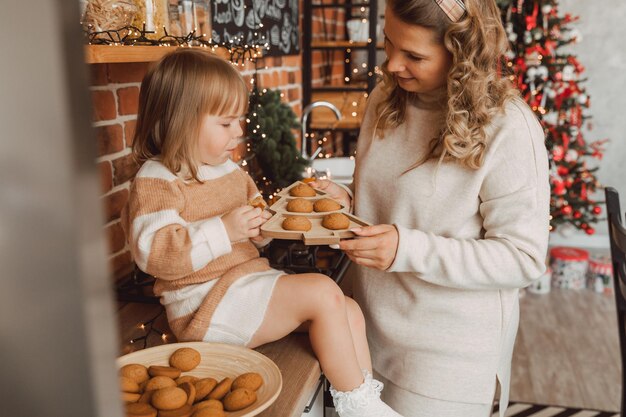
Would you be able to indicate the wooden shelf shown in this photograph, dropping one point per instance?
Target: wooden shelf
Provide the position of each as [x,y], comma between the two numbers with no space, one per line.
[352,115]
[107,54]
[343,45]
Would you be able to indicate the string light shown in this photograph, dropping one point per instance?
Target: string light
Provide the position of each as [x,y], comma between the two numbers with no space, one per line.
[148,327]
[240,51]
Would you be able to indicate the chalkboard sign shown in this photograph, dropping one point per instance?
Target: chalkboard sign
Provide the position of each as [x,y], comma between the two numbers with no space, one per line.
[277,20]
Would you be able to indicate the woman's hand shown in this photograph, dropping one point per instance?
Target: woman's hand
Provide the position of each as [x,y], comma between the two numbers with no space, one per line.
[334,191]
[243,223]
[375,247]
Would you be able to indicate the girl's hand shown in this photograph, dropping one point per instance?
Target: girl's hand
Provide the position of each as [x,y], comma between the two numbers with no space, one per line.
[376,246]
[334,191]
[265,216]
[243,223]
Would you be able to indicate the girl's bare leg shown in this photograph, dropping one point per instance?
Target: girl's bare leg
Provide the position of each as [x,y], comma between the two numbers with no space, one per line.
[316,299]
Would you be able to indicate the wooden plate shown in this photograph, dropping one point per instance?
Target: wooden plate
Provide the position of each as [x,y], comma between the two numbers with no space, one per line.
[220,361]
[318,235]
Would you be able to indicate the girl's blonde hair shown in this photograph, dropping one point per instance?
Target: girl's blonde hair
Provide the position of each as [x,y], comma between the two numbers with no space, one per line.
[476,91]
[175,94]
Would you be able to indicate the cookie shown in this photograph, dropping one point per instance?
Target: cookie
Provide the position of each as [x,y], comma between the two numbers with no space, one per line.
[184,411]
[209,412]
[190,390]
[300,205]
[239,399]
[336,221]
[258,202]
[250,380]
[326,204]
[146,397]
[130,397]
[221,389]
[302,190]
[168,371]
[204,387]
[169,398]
[159,382]
[128,385]
[140,410]
[136,372]
[307,180]
[297,223]
[208,404]
[186,378]
[185,359]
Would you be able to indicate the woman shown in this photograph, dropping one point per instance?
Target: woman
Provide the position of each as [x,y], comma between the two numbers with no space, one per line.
[453,171]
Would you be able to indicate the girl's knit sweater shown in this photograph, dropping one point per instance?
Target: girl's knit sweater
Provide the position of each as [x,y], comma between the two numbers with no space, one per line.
[176,234]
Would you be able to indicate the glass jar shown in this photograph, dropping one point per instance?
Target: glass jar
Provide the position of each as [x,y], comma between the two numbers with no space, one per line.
[202,18]
[102,15]
[175,27]
[154,14]
[185,13]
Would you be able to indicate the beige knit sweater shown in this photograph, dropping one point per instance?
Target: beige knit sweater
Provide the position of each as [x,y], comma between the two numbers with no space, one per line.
[176,234]
[442,320]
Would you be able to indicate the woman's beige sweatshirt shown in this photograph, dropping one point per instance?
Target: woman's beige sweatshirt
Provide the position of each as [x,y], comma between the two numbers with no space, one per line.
[442,320]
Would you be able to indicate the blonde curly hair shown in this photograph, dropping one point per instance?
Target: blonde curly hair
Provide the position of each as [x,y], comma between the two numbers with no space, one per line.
[476,89]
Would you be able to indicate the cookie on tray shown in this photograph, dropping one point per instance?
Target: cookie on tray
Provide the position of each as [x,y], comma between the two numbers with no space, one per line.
[326,204]
[300,205]
[336,221]
[297,223]
[302,190]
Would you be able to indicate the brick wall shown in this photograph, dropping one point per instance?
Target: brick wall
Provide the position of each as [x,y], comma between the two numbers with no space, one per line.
[115,93]
[328,65]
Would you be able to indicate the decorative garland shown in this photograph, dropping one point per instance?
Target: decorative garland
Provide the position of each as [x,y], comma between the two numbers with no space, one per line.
[131,35]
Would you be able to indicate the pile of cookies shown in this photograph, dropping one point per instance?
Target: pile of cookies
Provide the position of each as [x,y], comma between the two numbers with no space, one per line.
[332,221]
[163,391]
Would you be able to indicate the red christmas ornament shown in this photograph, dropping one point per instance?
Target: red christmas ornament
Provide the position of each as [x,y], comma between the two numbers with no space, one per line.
[590,230]
[558,153]
[559,187]
[567,210]
[562,170]
[584,225]
[597,210]
[577,214]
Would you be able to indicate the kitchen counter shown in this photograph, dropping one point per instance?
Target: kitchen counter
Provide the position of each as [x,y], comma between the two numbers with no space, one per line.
[300,371]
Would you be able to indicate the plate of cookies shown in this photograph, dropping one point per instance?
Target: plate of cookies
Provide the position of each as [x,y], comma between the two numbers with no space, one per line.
[197,379]
[305,213]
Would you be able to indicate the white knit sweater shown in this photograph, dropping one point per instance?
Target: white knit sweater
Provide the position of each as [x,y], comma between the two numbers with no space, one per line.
[442,320]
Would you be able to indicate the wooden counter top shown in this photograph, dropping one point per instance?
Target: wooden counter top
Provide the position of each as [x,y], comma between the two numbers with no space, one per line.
[300,370]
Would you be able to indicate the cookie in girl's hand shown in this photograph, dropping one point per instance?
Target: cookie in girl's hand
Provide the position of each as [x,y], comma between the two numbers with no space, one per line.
[258,202]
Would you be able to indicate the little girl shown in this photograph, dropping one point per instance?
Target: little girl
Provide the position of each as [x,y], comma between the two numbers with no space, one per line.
[189,225]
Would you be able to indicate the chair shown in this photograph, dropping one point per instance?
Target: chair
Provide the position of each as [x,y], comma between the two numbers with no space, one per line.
[617,236]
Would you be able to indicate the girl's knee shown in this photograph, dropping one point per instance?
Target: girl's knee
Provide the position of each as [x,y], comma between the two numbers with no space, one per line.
[328,292]
[355,315]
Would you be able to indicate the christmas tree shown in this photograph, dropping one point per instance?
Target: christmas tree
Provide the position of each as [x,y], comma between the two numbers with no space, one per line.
[550,82]
[273,159]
